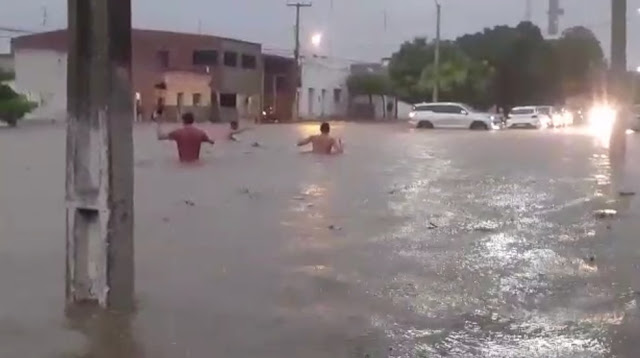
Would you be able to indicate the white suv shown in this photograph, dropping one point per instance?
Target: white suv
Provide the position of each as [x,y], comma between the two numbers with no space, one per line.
[449,115]
[528,117]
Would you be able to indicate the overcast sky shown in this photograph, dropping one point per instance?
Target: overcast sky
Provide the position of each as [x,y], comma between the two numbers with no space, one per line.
[353,29]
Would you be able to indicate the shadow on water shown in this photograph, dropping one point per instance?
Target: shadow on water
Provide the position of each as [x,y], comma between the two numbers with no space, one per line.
[108,334]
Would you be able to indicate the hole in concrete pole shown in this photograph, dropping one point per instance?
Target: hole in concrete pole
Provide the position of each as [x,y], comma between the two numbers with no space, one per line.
[86,230]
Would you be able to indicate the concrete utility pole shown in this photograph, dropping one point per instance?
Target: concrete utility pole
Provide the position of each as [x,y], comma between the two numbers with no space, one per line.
[528,12]
[296,52]
[99,175]
[436,56]
[555,11]
[620,90]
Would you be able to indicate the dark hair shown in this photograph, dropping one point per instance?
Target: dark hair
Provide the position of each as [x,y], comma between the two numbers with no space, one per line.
[188,118]
[325,128]
[234,124]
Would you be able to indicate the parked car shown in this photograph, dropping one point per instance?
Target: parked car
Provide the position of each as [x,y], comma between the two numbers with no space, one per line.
[635,122]
[528,117]
[450,115]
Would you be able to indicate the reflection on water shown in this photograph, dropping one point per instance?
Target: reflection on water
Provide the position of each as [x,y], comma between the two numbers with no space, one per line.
[107,334]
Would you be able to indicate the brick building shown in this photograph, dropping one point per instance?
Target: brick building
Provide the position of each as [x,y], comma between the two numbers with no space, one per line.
[218,78]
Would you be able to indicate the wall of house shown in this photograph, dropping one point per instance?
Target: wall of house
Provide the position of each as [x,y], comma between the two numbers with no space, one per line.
[280,85]
[6,62]
[320,77]
[41,75]
[187,84]
[246,83]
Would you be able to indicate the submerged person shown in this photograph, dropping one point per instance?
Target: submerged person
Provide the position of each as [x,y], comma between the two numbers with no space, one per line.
[323,143]
[234,129]
[188,139]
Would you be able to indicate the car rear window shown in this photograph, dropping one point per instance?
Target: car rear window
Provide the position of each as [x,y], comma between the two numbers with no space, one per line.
[517,111]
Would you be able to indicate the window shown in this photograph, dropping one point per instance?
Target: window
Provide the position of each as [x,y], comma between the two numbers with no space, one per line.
[337,95]
[522,111]
[228,100]
[205,57]
[197,99]
[230,59]
[249,61]
[453,109]
[163,59]
[440,108]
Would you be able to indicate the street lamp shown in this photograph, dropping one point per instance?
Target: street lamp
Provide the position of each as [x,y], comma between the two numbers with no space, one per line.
[316,39]
[436,56]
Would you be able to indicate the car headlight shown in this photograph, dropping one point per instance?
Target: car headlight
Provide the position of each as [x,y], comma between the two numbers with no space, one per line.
[412,114]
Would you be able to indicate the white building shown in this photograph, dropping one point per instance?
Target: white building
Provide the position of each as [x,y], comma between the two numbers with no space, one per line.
[41,75]
[323,91]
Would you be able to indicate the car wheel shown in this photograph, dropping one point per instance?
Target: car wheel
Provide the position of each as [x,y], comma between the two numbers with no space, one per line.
[476,126]
[425,125]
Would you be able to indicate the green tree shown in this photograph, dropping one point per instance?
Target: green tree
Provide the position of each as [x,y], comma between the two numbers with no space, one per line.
[412,73]
[580,58]
[369,84]
[13,106]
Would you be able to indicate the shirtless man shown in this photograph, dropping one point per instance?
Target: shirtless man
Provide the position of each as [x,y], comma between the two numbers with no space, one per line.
[323,143]
[188,139]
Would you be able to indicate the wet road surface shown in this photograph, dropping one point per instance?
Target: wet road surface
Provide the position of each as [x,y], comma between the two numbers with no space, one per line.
[412,244]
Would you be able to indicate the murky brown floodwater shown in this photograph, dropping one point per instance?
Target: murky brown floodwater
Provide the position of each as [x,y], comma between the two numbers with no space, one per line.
[413,244]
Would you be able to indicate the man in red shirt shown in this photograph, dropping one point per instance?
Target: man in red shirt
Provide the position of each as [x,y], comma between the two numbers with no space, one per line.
[188,139]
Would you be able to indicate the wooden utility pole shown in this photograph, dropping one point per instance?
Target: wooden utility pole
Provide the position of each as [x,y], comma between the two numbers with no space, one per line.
[296,53]
[99,175]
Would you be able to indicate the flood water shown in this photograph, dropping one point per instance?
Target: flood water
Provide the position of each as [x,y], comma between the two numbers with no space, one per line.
[411,244]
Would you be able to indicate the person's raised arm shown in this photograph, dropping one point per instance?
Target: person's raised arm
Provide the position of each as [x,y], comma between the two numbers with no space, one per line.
[206,139]
[304,142]
[338,147]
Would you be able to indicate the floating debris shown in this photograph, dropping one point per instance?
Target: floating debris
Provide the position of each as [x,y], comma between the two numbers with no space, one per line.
[605,213]
[165,219]
[432,226]
[627,193]
[256,145]
[486,226]
[189,203]
[334,227]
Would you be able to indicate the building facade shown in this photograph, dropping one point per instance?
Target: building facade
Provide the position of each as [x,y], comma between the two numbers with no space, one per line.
[219,79]
[280,86]
[323,90]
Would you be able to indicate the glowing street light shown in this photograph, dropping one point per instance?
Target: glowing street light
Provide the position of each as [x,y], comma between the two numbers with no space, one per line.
[316,39]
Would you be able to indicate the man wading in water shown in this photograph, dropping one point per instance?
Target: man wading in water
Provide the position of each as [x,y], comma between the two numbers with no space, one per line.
[323,143]
[188,139]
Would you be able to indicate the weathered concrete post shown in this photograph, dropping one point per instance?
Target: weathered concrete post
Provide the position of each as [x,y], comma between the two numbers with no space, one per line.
[99,176]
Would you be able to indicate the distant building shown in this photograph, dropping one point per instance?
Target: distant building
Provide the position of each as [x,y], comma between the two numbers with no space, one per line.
[280,85]
[219,79]
[323,91]
[6,62]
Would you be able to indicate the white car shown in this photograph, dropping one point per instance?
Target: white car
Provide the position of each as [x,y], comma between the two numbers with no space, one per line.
[450,115]
[528,117]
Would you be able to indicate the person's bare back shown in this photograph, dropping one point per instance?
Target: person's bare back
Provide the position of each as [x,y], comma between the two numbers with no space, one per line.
[323,143]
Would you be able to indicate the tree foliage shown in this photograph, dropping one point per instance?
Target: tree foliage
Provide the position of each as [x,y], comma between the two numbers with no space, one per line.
[13,106]
[502,66]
